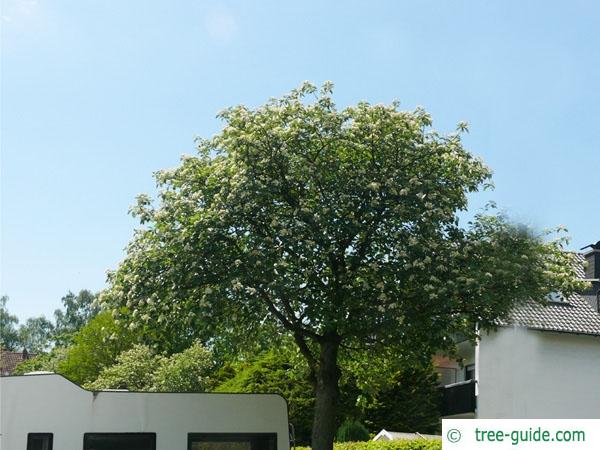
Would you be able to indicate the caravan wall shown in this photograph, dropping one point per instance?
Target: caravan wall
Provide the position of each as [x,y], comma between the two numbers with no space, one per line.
[48,412]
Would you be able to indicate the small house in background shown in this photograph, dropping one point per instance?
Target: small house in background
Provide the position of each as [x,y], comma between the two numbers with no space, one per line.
[10,360]
[385,435]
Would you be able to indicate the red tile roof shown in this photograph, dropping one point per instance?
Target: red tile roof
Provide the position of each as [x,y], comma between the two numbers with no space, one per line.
[9,360]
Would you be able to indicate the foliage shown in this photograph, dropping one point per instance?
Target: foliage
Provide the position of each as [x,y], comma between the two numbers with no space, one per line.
[48,362]
[36,334]
[9,335]
[141,369]
[188,371]
[279,371]
[413,444]
[410,402]
[95,346]
[352,431]
[339,226]
[79,309]
[133,370]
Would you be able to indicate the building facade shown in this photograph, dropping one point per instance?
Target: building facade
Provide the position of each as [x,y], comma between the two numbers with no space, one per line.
[542,363]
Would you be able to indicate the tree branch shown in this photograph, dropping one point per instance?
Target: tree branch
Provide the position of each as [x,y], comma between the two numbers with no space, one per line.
[295,327]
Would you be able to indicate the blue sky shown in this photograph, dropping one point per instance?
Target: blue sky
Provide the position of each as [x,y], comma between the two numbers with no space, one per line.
[98,95]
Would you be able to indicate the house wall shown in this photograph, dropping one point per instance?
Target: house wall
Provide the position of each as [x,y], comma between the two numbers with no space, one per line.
[533,374]
[51,403]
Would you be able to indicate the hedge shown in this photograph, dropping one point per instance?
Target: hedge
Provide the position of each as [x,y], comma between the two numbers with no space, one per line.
[413,444]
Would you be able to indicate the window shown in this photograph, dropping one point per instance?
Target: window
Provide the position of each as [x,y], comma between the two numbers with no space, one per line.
[119,441]
[470,372]
[232,441]
[555,297]
[39,441]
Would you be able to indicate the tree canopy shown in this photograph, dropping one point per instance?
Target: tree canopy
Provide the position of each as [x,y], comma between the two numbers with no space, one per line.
[79,309]
[141,369]
[341,227]
[93,348]
[9,337]
[36,334]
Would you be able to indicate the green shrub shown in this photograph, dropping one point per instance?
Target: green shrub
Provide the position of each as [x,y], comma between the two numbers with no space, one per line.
[142,369]
[410,402]
[133,370]
[413,444]
[352,431]
[280,372]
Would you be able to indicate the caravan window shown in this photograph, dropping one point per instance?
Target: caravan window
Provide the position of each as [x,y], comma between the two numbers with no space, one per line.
[119,441]
[232,441]
[39,441]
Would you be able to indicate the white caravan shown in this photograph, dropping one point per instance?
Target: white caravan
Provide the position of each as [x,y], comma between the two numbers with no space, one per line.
[47,411]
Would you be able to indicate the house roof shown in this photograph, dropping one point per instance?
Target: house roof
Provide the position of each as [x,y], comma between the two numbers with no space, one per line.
[580,265]
[396,435]
[573,315]
[10,360]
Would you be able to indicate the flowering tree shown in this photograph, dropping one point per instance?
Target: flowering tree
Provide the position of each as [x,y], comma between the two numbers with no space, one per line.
[341,227]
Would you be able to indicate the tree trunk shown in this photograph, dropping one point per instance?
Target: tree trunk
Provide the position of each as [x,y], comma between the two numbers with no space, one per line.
[327,376]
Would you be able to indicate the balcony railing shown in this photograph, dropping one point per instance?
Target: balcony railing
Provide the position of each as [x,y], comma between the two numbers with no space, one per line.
[458,398]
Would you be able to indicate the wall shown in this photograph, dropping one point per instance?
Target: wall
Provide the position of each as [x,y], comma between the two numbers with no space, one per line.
[51,403]
[533,374]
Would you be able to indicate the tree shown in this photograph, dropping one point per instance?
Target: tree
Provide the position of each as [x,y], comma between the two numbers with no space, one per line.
[141,369]
[79,310]
[133,370]
[9,335]
[187,371]
[340,226]
[36,334]
[94,347]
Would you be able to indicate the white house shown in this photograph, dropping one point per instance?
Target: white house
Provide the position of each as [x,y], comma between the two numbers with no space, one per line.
[47,411]
[542,363]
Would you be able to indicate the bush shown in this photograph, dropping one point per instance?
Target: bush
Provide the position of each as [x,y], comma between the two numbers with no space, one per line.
[133,370]
[141,369]
[352,431]
[410,403]
[187,371]
[279,372]
[413,444]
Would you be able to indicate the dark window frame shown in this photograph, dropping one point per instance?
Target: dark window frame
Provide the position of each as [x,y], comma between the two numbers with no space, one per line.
[469,368]
[233,436]
[38,435]
[119,433]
